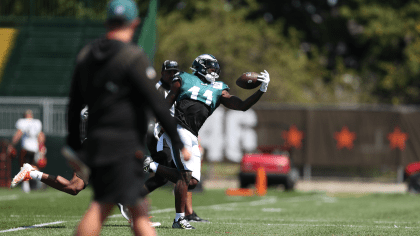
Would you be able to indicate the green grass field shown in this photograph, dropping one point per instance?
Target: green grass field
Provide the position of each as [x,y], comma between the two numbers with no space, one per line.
[51,212]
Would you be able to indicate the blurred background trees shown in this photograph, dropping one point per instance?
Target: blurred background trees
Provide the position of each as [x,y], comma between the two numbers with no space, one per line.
[319,51]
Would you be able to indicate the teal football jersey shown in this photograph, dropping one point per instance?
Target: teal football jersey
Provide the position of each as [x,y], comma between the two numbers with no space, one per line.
[193,88]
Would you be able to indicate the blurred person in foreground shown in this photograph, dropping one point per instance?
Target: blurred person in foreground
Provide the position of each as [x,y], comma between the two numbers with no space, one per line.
[197,95]
[33,139]
[115,80]
[164,156]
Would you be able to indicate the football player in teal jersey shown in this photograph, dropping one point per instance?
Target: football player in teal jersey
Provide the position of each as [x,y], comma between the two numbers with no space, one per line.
[197,95]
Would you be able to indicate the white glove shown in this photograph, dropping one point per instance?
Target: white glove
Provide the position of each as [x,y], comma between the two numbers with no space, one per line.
[84,114]
[265,79]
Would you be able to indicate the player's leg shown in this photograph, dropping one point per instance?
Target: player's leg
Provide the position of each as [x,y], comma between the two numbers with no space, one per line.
[28,157]
[190,214]
[153,182]
[194,165]
[190,173]
[181,189]
[179,176]
[72,187]
[120,182]
[92,221]
[125,212]
[141,224]
[164,158]
[172,174]
[188,205]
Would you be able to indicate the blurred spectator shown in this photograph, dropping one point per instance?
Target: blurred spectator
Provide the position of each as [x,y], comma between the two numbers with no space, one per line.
[29,130]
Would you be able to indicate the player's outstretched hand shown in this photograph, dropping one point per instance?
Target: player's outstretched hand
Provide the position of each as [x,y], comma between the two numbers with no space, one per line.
[185,154]
[265,79]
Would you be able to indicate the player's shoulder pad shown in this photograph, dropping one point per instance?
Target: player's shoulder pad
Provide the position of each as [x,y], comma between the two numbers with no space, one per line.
[19,123]
[178,75]
[220,85]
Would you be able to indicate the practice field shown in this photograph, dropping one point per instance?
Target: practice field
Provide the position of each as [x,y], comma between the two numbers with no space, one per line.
[51,212]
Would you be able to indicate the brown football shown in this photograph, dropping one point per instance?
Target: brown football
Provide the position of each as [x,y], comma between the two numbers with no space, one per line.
[248,80]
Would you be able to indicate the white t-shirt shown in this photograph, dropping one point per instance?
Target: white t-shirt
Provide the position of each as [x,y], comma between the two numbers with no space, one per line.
[30,129]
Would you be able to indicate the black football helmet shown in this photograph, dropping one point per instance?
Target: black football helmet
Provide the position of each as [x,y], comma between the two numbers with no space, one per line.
[170,65]
[203,63]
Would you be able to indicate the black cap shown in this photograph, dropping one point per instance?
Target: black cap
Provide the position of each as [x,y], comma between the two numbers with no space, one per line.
[170,65]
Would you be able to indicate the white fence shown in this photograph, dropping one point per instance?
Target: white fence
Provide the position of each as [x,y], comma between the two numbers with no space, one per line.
[51,112]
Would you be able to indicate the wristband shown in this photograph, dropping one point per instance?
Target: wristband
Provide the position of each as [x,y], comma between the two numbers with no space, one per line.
[263,87]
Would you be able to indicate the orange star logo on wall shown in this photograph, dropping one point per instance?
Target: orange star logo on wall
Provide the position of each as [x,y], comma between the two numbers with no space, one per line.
[397,139]
[345,138]
[293,137]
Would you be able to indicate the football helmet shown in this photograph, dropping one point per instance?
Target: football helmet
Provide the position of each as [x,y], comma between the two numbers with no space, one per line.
[170,65]
[202,65]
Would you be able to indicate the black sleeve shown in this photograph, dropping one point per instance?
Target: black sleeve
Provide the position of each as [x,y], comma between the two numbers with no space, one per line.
[143,82]
[73,112]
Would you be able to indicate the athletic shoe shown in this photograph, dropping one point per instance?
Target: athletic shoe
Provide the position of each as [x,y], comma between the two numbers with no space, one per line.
[146,163]
[124,212]
[155,224]
[195,218]
[23,175]
[181,224]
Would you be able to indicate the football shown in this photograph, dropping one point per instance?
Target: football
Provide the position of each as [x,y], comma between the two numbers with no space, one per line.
[248,80]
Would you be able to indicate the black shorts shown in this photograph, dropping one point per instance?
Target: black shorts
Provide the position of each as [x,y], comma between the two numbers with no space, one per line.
[27,157]
[118,182]
[163,157]
[151,143]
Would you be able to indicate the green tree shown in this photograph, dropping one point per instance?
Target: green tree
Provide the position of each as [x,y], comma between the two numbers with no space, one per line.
[389,31]
[240,46]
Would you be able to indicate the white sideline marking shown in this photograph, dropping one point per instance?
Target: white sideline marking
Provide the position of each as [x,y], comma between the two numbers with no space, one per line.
[9,197]
[32,196]
[224,206]
[327,225]
[271,209]
[30,227]
[229,206]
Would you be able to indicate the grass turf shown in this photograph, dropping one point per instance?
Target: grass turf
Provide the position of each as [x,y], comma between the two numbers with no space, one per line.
[51,212]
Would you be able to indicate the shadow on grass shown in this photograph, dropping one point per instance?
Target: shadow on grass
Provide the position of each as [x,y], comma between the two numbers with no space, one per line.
[42,227]
[113,225]
[52,227]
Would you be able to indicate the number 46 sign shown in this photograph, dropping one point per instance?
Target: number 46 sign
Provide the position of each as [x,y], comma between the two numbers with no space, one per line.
[229,133]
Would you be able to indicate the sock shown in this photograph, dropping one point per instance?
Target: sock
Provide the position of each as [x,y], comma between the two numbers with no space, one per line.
[36,174]
[154,166]
[179,215]
[25,187]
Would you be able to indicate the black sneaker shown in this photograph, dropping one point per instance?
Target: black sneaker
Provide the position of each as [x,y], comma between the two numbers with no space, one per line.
[195,218]
[146,163]
[181,224]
